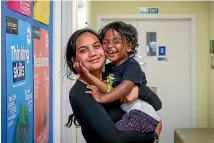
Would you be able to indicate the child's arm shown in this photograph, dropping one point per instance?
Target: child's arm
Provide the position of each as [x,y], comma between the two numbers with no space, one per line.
[118,92]
[125,90]
[91,79]
[133,95]
[132,75]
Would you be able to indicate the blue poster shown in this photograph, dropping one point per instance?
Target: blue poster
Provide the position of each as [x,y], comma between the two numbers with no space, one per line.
[19,81]
[162,51]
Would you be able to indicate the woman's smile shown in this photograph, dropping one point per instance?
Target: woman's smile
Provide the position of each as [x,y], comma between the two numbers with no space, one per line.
[94,60]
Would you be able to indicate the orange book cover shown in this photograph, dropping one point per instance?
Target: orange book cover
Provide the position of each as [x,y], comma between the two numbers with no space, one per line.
[41,85]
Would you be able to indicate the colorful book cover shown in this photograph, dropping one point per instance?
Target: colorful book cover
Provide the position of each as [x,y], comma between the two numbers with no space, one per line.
[41,85]
[19,81]
[23,7]
[42,11]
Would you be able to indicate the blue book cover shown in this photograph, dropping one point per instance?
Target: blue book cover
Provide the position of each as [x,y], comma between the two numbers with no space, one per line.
[19,66]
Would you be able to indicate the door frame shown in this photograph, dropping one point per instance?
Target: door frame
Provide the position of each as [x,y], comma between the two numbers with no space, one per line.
[67,27]
[192,19]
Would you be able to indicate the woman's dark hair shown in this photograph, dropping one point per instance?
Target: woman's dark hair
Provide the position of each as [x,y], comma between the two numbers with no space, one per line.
[127,31]
[71,119]
[71,48]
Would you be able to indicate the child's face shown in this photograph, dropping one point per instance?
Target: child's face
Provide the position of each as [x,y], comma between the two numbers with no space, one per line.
[116,48]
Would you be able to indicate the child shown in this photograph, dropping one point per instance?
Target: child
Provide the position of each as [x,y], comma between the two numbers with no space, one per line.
[122,74]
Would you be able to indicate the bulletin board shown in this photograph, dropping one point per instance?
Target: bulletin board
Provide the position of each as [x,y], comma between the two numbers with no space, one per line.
[27,71]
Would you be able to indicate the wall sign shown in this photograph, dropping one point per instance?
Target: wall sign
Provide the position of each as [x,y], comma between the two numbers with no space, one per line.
[42,11]
[162,53]
[23,7]
[19,81]
[41,85]
[147,10]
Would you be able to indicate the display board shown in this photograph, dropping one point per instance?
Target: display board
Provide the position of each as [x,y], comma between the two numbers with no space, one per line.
[27,73]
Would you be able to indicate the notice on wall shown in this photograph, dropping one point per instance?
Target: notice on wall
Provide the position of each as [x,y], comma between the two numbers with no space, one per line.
[212,46]
[212,54]
[42,11]
[212,61]
[19,81]
[23,7]
[148,10]
[162,53]
[41,85]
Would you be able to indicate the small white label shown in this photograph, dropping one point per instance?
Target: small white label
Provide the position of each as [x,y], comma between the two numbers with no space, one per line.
[146,10]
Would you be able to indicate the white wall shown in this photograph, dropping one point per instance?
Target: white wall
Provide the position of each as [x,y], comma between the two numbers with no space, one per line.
[69,24]
[56,71]
[64,24]
[0,74]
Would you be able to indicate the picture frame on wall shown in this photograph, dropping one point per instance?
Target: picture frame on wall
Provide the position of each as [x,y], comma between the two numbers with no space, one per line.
[212,46]
[212,61]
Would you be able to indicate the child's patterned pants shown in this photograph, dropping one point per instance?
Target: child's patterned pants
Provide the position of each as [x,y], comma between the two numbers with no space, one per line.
[138,121]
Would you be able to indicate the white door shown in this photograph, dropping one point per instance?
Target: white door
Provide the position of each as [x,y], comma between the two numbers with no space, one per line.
[172,77]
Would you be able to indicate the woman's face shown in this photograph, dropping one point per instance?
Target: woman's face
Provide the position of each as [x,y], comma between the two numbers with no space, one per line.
[89,52]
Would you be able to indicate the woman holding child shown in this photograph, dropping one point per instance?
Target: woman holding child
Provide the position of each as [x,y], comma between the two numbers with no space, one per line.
[110,111]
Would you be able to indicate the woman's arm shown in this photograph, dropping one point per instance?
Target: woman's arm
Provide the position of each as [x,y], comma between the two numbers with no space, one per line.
[146,94]
[92,115]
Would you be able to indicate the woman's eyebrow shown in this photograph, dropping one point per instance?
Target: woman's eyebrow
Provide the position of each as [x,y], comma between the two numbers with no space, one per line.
[96,42]
[81,47]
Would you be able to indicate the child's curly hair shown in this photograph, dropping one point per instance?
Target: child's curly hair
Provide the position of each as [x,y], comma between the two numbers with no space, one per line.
[127,31]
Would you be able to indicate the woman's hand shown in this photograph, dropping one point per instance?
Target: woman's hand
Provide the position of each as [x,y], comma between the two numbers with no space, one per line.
[94,92]
[158,129]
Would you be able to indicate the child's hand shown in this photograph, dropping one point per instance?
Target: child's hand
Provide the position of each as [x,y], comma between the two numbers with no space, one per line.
[76,67]
[124,100]
[94,92]
[80,68]
[83,69]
